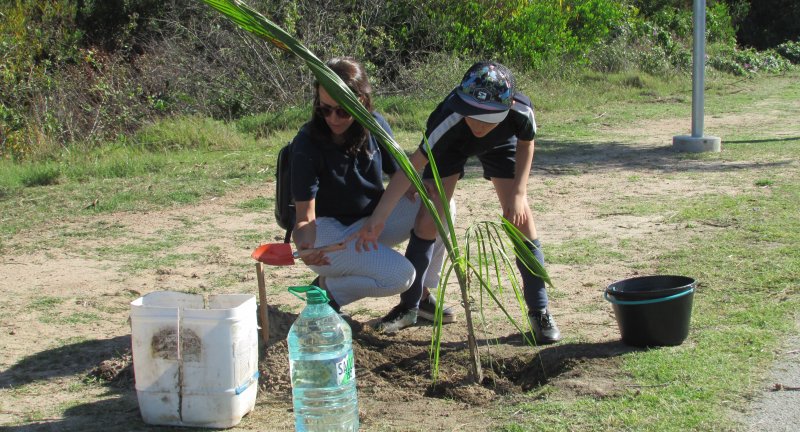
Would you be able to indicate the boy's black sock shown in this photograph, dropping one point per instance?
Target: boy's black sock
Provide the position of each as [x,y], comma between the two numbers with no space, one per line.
[533,286]
[418,252]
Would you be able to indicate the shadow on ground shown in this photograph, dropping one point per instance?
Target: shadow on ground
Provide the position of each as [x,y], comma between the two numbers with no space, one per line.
[105,361]
[577,157]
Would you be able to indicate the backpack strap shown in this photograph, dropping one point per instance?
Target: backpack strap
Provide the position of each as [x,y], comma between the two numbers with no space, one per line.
[284,205]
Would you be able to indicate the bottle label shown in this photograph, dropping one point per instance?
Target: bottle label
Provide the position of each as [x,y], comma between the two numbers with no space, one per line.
[331,372]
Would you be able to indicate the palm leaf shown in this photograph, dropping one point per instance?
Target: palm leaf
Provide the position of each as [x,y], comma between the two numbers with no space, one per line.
[523,253]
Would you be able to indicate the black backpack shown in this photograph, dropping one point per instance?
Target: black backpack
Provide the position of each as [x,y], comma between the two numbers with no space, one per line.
[284,203]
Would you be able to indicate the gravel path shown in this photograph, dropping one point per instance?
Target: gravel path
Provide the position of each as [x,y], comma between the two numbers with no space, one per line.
[778,409]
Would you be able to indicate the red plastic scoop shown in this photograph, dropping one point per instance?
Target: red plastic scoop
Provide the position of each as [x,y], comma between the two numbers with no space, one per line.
[281,254]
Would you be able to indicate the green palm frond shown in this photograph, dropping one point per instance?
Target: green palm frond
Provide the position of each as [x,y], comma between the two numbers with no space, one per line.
[523,253]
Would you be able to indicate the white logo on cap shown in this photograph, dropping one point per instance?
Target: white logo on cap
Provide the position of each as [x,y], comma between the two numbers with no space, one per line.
[481,95]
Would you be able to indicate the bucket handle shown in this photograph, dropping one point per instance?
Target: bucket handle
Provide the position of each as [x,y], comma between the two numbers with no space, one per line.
[647,301]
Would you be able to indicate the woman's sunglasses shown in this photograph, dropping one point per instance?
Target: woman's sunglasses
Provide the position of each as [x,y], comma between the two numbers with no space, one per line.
[326,111]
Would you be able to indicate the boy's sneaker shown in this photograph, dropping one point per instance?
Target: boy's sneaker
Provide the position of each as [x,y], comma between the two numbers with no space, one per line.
[427,310]
[397,319]
[545,330]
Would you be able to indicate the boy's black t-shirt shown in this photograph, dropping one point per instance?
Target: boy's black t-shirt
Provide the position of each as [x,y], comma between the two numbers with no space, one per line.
[345,187]
[448,131]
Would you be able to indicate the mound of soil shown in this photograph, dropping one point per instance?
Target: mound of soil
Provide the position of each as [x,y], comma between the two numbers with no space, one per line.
[116,371]
[397,367]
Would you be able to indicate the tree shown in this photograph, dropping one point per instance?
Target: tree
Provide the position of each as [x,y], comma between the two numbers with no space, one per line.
[770,23]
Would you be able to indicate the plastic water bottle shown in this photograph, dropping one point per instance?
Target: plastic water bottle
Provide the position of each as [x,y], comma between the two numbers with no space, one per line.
[322,366]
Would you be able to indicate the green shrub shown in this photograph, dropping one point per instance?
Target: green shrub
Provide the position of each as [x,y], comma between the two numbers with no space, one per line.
[769,23]
[527,33]
[644,46]
[748,61]
[790,51]
[35,37]
[719,25]
[659,40]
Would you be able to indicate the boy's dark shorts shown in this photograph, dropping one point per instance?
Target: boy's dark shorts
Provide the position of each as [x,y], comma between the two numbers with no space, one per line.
[498,162]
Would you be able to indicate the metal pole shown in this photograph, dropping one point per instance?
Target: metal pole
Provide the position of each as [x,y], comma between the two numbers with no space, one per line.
[699,66]
[697,142]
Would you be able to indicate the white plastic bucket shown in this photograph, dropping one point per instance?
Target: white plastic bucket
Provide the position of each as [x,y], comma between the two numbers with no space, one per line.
[195,366]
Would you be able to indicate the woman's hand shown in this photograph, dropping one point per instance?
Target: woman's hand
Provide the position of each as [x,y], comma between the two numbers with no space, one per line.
[411,193]
[367,237]
[317,258]
[305,233]
[399,186]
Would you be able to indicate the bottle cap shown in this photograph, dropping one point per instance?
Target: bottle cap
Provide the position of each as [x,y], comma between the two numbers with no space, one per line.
[314,295]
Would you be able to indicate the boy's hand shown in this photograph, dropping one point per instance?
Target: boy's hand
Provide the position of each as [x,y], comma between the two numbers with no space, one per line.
[517,214]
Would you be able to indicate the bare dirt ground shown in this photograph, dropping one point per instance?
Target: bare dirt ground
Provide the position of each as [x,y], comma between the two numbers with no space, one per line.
[65,363]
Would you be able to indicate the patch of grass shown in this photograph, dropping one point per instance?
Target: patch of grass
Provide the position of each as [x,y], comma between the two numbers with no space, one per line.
[167,165]
[188,222]
[265,124]
[76,387]
[404,113]
[408,139]
[73,318]
[624,205]
[34,416]
[581,251]
[45,304]
[169,261]
[150,253]
[579,109]
[41,175]
[192,132]
[94,230]
[225,280]
[68,341]
[251,237]
[257,204]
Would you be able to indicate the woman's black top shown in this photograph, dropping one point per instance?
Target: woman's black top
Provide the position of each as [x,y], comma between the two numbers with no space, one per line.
[346,187]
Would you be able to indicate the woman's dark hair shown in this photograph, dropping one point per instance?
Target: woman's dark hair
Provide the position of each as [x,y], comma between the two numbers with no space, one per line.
[354,76]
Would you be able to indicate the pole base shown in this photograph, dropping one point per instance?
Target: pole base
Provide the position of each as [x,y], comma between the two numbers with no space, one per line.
[686,143]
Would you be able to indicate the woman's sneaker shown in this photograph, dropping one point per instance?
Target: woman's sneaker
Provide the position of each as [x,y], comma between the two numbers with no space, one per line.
[397,319]
[427,310]
[545,330]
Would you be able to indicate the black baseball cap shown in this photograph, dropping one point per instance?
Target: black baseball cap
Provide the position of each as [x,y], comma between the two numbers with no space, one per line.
[486,92]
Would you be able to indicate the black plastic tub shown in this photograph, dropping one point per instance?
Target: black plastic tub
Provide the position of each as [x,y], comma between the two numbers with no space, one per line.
[649,287]
[653,322]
